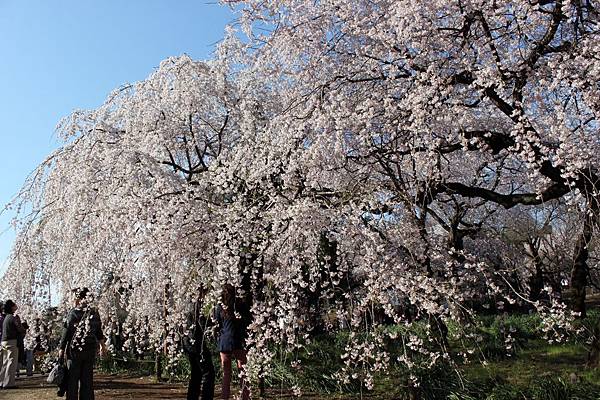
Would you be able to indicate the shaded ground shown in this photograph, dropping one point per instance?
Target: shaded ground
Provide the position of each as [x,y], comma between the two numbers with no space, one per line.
[117,387]
[107,387]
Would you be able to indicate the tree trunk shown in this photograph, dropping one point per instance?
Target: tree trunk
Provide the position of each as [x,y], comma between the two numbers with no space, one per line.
[164,349]
[579,273]
[456,246]
[158,366]
[261,388]
[536,282]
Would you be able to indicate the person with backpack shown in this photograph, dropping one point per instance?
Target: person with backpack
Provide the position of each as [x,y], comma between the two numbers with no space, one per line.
[82,337]
[11,329]
[233,319]
[202,379]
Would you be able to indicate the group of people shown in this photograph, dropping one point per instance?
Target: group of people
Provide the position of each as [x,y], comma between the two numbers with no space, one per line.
[82,339]
[14,353]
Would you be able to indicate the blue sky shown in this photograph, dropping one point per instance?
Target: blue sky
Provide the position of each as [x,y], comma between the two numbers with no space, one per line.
[61,55]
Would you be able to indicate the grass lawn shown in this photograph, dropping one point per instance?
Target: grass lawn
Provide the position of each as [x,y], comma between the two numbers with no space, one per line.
[538,371]
[539,359]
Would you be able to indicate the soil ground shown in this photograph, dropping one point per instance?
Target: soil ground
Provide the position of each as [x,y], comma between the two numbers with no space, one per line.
[116,387]
[107,387]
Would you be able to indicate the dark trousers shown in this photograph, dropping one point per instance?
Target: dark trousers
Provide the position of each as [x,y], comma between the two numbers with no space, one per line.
[202,379]
[80,385]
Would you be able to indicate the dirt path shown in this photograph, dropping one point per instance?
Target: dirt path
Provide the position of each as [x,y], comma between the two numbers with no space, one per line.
[107,387]
[114,387]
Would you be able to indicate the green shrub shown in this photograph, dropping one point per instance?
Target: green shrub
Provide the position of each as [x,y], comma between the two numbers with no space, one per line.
[438,382]
[505,392]
[317,364]
[550,389]
[502,336]
[587,327]
[122,363]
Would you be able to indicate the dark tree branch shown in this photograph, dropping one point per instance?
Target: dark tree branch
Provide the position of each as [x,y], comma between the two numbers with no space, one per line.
[552,192]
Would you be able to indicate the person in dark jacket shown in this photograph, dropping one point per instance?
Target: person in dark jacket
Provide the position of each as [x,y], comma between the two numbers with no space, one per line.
[21,346]
[202,378]
[11,329]
[1,321]
[41,341]
[82,337]
[233,319]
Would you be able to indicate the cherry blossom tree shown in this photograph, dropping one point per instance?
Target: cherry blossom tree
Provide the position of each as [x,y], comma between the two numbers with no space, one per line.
[346,159]
[492,101]
[415,104]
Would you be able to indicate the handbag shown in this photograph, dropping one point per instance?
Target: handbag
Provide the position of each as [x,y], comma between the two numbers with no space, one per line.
[59,376]
[58,373]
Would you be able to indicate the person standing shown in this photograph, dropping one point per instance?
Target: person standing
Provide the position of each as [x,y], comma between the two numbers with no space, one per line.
[202,378]
[233,318]
[39,345]
[11,329]
[28,357]
[82,337]
[1,322]
[21,346]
